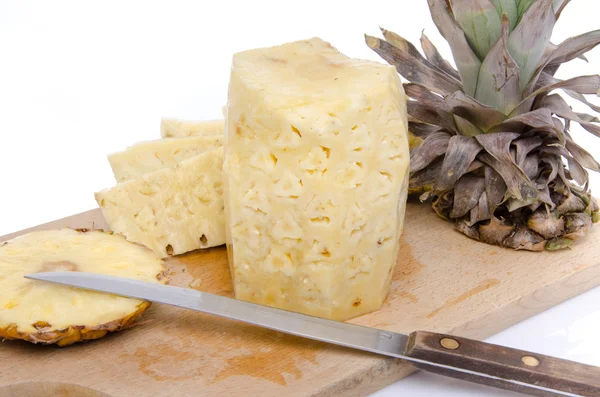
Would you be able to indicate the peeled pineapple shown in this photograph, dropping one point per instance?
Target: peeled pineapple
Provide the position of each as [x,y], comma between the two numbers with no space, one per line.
[174,128]
[315,175]
[172,210]
[149,156]
[47,313]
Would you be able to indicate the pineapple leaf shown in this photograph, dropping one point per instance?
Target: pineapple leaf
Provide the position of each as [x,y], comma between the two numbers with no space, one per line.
[467,62]
[582,156]
[425,178]
[592,128]
[540,119]
[498,145]
[559,124]
[566,51]
[514,204]
[562,184]
[480,22]
[574,87]
[495,188]
[578,173]
[531,166]
[422,130]
[529,39]
[480,115]
[554,163]
[498,84]
[460,154]
[481,212]
[523,6]
[420,93]
[572,48]
[475,165]
[467,192]
[465,127]
[433,56]
[524,147]
[559,6]
[552,68]
[432,147]
[431,115]
[413,68]
[557,105]
[588,117]
[588,85]
[404,45]
[518,184]
[508,7]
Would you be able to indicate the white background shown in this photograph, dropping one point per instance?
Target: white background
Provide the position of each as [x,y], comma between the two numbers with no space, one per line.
[81,79]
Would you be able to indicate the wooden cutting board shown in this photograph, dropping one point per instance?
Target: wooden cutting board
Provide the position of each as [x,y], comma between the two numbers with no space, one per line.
[443,282]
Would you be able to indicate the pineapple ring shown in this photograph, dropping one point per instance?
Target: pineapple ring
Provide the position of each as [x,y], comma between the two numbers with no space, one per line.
[41,312]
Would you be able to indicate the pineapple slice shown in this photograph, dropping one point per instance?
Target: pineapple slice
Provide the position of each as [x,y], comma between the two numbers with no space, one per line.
[175,128]
[316,178]
[145,157]
[46,313]
[172,210]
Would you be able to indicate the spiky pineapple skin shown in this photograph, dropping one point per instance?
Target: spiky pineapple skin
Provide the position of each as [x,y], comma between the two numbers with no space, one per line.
[74,333]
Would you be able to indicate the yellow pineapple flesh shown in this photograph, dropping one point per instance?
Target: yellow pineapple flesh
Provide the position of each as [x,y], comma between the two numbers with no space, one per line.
[46,313]
[177,128]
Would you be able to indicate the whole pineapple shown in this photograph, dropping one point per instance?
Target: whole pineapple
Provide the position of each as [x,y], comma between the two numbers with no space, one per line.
[492,147]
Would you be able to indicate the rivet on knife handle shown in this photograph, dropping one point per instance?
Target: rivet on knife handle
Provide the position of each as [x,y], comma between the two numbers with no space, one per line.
[507,368]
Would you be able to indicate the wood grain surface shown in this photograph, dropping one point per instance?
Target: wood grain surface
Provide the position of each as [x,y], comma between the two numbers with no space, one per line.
[443,283]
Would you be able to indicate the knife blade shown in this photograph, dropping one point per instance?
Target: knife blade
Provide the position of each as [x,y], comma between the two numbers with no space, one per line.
[447,355]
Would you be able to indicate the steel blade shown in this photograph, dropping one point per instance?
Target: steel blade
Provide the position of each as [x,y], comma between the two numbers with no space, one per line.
[339,333]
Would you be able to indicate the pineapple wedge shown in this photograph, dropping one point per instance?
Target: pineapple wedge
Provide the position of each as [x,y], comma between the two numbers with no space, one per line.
[46,313]
[172,210]
[175,128]
[316,178]
[145,157]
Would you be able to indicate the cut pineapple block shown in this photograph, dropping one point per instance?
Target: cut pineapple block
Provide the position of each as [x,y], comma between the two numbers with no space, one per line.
[41,312]
[316,172]
[175,128]
[172,210]
[145,157]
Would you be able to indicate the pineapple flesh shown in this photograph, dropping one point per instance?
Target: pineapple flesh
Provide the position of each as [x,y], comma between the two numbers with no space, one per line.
[146,157]
[491,137]
[171,210]
[316,174]
[176,128]
[47,313]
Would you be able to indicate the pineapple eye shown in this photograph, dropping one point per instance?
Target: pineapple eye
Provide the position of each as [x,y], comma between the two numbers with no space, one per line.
[203,240]
[296,131]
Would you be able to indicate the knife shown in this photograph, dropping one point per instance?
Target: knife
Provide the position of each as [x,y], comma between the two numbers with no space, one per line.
[448,355]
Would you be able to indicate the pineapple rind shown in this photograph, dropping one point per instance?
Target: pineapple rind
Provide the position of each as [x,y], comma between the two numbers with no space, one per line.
[74,333]
[51,314]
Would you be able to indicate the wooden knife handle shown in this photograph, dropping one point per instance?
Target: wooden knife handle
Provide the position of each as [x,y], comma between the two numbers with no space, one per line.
[505,368]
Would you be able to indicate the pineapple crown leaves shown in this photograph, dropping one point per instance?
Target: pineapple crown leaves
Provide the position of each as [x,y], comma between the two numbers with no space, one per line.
[493,134]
